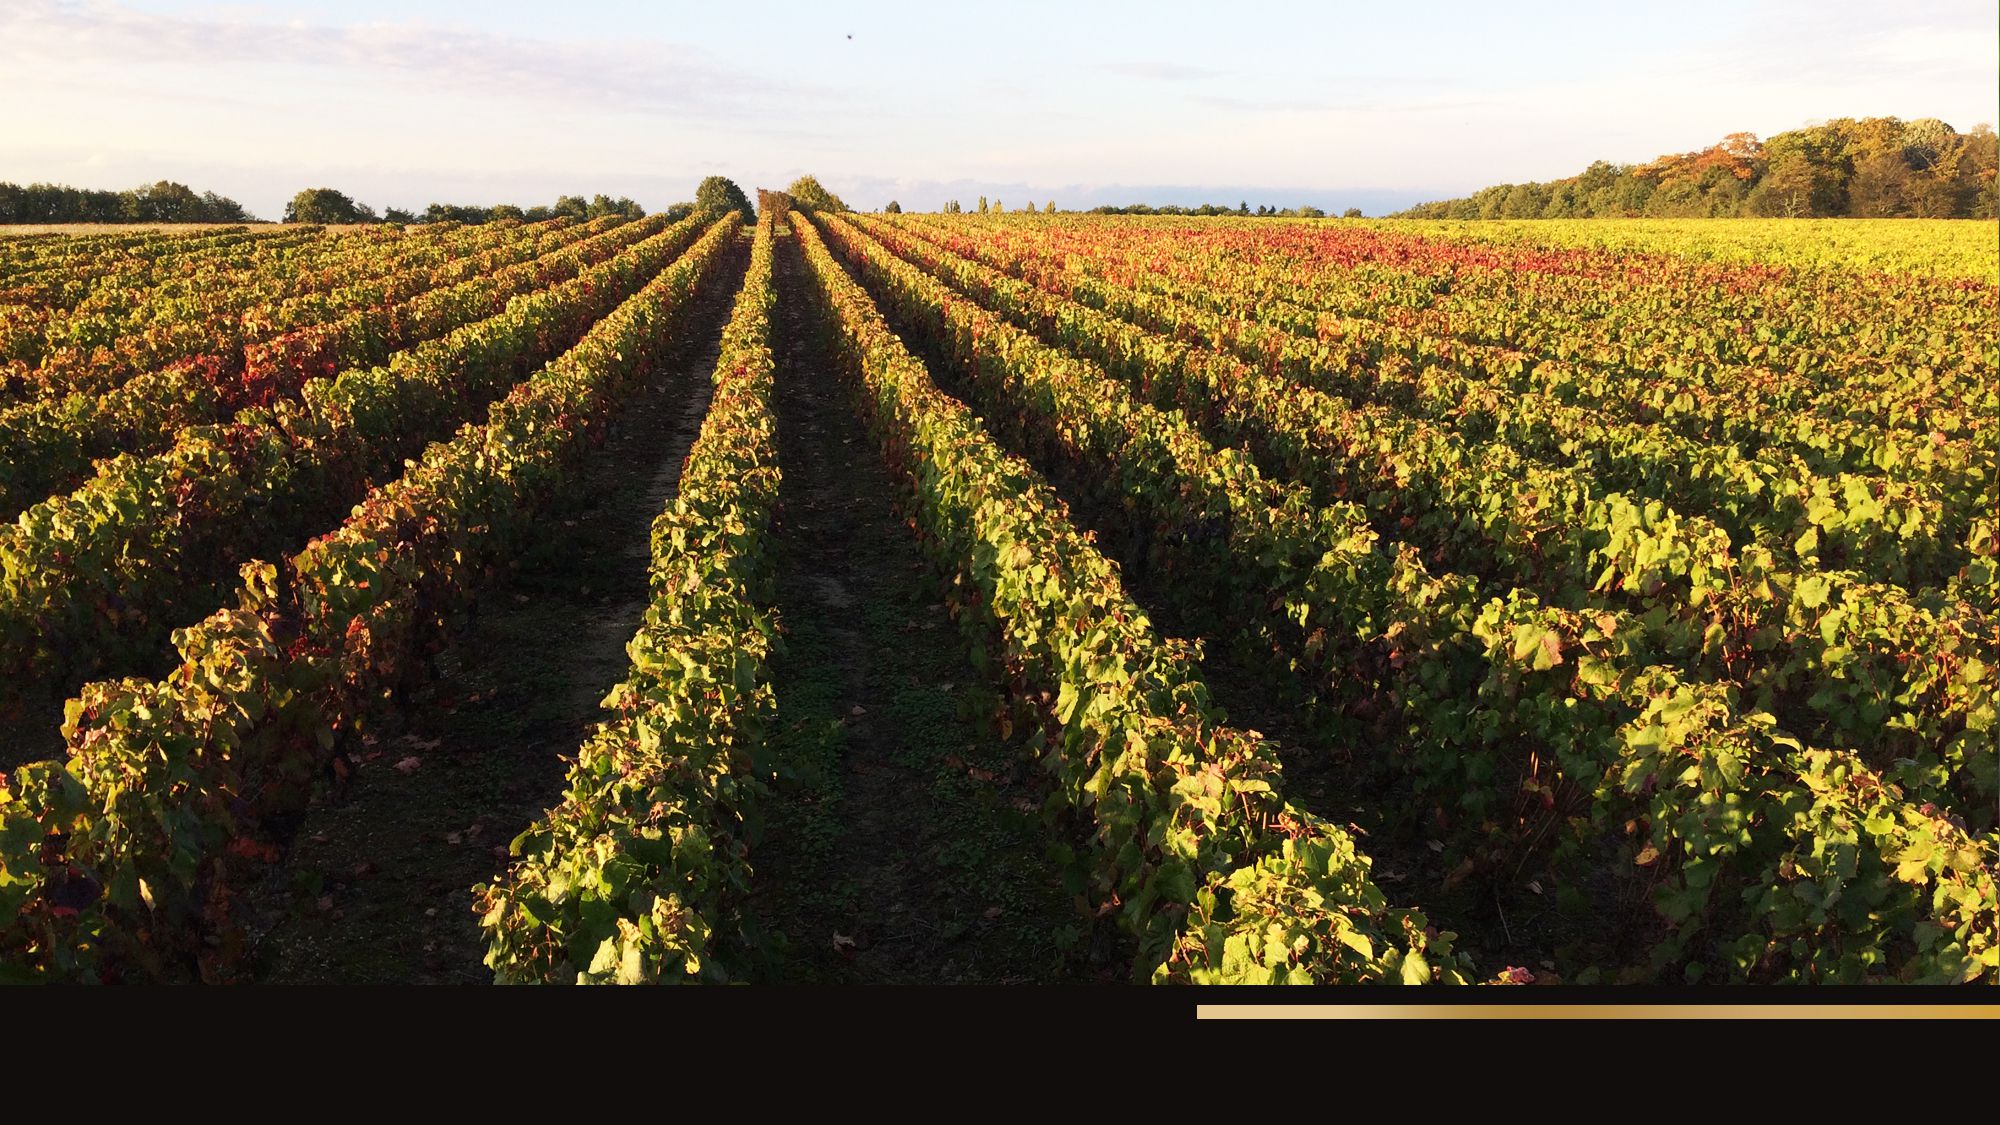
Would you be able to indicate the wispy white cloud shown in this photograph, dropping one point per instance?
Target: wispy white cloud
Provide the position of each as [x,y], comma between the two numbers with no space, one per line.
[609,74]
[1864,45]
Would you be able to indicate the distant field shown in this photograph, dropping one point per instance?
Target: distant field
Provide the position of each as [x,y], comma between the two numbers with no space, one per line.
[1002,599]
[1932,247]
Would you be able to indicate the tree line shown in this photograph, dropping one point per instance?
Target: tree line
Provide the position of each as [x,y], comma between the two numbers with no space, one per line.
[326,205]
[162,202]
[713,194]
[169,202]
[1303,211]
[1873,167]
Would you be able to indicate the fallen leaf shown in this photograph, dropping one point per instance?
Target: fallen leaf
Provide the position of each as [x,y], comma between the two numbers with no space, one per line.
[1535,886]
[325,902]
[842,941]
[452,837]
[1435,845]
[858,709]
[409,765]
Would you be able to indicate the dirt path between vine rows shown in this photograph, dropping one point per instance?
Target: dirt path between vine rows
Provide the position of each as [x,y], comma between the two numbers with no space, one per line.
[377,887]
[903,842]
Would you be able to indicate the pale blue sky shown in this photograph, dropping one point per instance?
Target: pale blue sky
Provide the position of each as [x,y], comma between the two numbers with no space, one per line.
[402,103]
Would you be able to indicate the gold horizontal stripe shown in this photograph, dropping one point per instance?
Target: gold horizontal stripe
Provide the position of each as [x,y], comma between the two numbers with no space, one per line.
[1558,1011]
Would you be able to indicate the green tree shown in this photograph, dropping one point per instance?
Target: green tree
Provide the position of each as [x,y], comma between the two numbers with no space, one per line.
[1940,191]
[1525,201]
[1982,159]
[325,205]
[894,208]
[1351,213]
[982,205]
[1562,202]
[1926,141]
[1049,208]
[808,195]
[169,202]
[1795,187]
[720,194]
[161,202]
[1873,166]
[1880,187]
[1681,199]
[454,213]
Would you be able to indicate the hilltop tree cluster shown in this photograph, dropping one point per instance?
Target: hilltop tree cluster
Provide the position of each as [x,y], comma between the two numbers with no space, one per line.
[719,194]
[1875,167]
[807,195]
